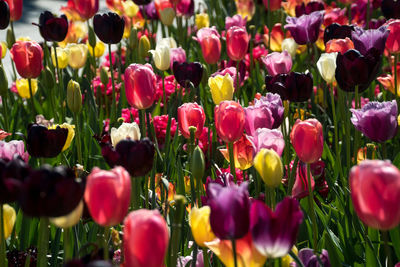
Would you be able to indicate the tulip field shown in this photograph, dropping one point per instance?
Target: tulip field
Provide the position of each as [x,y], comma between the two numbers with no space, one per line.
[188,133]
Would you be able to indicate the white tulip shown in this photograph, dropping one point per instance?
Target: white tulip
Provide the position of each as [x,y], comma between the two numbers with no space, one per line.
[327,66]
[290,45]
[161,57]
[125,131]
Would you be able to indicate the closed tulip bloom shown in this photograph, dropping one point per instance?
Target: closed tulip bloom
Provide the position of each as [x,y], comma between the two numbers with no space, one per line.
[229,120]
[305,29]
[393,40]
[376,120]
[108,195]
[245,8]
[144,46]
[202,21]
[277,63]
[364,40]
[305,133]
[327,67]
[339,45]
[77,55]
[70,219]
[15,9]
[109,27]
[161,57]
[74,96]
[3,49]
[242,153]
[191,114]
[9,218]
[5,15]
[258,117]
[125,131]
[199,221]
[167,16]
[295,87]
[45,143]
[275,232]
[23,87]
[62,57]
[237,42]
[290,45]
[269,139]
[375,192]
[85,8]
[145,239]
[337,31]
[27,56]
[188,72]
[391,9]
[140,85]
[269,165]
[178,55]
[221,88]
[210,43]
[52,28]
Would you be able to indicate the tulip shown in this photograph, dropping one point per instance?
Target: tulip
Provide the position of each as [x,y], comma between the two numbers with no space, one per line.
[364,40]
[107,195]
[12,174]
[393,40]
[327,66]
[5,17]
[309,259]
[167,16]
[375,192]
[199,221]
[188,72]
[9,218]
[169,42]
[3,49]
[229,120]
[130,8]
[13,148]
[178,55]
[269,139]
[308,8]
[85,8]
[15,9]
[301,186]
[77,55]
[202,21]
[197,164]
[161,57]
[354,69]
[62,57]
[388,82]
[52,28]
[23,87]
[46,143]
[109,27]
[70,219]
[274,232]
[221,88]
[277,36]
[140,85]
[296,87]
[305,29]
[99,49]
[210,43]
[191,114]
[125,131]
[274,103]
[269,165]
[391,9]
[50,192]
[229,217]
[27,56]
[273,4]
[144,46]
[339,45]
[141,2]
[376,120]
[236,20]
[70,136]
[245,8]
[277,63]
[74,96]
[290,45]
[237,42]
[258,117]
[337,31]
[242,153]
[305,133]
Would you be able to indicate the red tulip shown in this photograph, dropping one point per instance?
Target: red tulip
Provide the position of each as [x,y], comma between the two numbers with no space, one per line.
[308,140]
[393,40]
[229,120]
[140,85]
[191,114]
[210,43]
[237,42]
[85,8]
[145,239]
[15,9]
[375,191]
[108,195]
[273,4]
[28,58]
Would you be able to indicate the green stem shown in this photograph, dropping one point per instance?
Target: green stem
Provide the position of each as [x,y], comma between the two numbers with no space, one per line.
[78,138]
[387,248]
[31,98]
[311,206]
[105,242]
[232,161]
[4,99]
[67,244]
[292,176]
[205,258]
[234,252]
[142,122]
[3,262]
[43,242]
[336,137]
[12,61]
[113,116]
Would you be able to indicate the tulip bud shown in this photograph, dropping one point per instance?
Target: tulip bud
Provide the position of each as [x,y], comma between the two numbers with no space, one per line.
[133,38]
[269,165]
[104,76]
[9,218]
[92,37]
[202,21]
[74,97]
[3,82]
[198,163]
[10,39]
[167,16]
[229,120]
[144,46]
[47,78]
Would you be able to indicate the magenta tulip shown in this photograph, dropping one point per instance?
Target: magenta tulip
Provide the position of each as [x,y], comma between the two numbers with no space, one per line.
[308,140]
[237,42]
[229,121]
[191,114]
[258,117]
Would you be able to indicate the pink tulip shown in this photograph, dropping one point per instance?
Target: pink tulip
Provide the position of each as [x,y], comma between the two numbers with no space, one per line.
[14,147]
[229,120]
[191,114]
[210,43]
[300,187]
[236,20]
[308,140]
[375,191]
[145,239]
[258,117]
[27,56]
[237,42]
[140,85]
[177,54]
[108,195]
[278,63]
[269,139]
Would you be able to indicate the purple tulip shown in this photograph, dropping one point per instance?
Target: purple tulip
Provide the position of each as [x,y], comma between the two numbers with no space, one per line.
[150,10]
[267,138]
[376,120]
[295,87]
[309,259]
[274,103]
[274,232]
[277,63]
[188,72]
[257,117]
[364,40]
[303,9]
[9,149]
[109,27]
[236,20]
[305,29]
[229,218]
[177,54]
[337,31]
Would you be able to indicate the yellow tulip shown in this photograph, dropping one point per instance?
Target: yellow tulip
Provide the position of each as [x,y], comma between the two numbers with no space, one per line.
[9,218]
[77,55]
[62,57]
[130,8]
[199,221]
[202,21]
[221,88]
[70,219]
[3,49]
[269,165]
[23,39]
[98,49]
[71,133]
[23,87]
[287,260]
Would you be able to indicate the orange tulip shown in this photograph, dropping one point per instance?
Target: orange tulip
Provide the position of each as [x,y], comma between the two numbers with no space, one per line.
[339,45]
[242,152]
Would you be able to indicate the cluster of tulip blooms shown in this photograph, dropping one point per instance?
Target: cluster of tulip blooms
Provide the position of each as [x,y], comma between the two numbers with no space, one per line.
[266,139]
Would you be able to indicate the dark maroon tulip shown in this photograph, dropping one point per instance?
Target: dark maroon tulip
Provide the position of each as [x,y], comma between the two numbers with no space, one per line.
[109,27]
[303,9]
[45,143]
[364,40]
[391,9]
[12,175]
[229,217]
[337,31]
[274,232]
[188,72]
[52,28]
[305,29]
[5,15]
[50,192]
[141,2]
[353,69]
[309,259]
[295,87]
